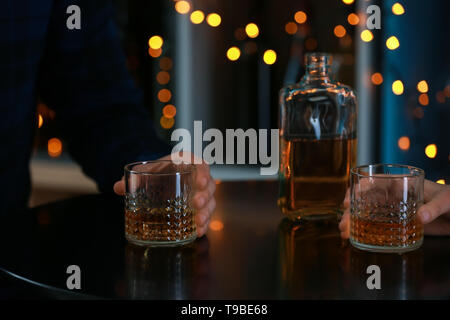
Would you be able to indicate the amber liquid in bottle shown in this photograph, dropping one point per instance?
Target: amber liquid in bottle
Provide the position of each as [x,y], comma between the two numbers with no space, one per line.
[317,175]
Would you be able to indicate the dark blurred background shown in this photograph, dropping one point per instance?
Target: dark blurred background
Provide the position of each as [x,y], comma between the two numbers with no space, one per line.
[224,61]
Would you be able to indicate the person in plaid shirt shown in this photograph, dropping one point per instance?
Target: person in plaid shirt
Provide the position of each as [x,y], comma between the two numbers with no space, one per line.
[81,75]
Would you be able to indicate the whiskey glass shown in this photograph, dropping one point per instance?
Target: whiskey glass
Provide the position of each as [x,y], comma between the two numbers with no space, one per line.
[158,203]
[384,201]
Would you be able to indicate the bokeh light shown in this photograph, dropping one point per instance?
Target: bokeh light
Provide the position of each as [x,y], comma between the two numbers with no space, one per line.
[366,35]
[216,225]
[252,30]
[163,77]
[377,78]
[197,17]
[165,63]
[164,95]
[300,17]
[270,56]
[348,1]
[392,43]
[169,111]
[40,121]
[155,42]
[422,86]
[291,28]
[404,143]
[440,181]
[397,87]
[154,53]
[339,31]
[54,147]
[353,19]
[423,99]
[440,97]
[213,19]
[418,112]
[166,123]
[182,7]
[233,53]
[398,9]
[431,151]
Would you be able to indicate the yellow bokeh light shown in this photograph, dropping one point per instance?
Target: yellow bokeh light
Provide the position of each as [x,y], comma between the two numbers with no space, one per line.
[366,35]
[377,78]
[398,9]
[422,86]
[197,17]
[163,77]
[403,143]
[291,28]
[40,121]
[252,30]
[423,99]
[348,1]
[213,19]
[339,31]
[155,42]
[300,17]
[164,95]
[397,87]
[233,53]
[154,53]
[440,181]
[166,123]
[431,151]
[182,7]
[392,43]
[216,225]
[353,19]
[165,63]
[169,111]
[54,147]
[270,56]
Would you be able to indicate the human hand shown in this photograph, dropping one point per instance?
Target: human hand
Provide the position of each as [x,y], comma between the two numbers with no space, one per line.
[434,214]
[203,201]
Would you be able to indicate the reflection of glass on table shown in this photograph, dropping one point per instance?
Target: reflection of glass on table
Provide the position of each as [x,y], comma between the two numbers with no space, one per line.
[384,204]
[158,203]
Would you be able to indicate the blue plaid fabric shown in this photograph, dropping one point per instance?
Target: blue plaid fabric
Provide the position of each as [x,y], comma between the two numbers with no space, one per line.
[81,75]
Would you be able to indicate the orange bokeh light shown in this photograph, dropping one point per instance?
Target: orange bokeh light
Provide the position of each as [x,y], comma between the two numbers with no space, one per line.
[353,19]
[165,63]
[291,28]
[154,53]
[54,147]
[300,17]
[377,78]
[404,143]
[167,123]
[164,95]
[169,111]
[423,99]
[339,31]
[216,225]
[163,77]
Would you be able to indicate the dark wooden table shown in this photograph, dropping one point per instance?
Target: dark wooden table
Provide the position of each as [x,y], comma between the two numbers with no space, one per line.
[256,255]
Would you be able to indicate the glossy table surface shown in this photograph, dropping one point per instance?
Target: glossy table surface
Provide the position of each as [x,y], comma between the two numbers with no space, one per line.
[250,252]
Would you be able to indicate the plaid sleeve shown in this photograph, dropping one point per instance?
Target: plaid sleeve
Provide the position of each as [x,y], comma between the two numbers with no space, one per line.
[98,108]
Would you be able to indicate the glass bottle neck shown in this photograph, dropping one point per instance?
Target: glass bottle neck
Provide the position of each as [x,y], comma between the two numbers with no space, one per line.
[317,73]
